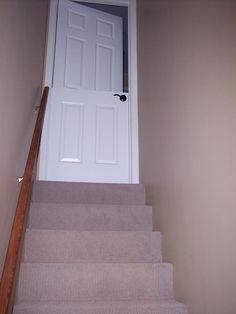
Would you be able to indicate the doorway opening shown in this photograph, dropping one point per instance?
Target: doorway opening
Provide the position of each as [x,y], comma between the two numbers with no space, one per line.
[126,8]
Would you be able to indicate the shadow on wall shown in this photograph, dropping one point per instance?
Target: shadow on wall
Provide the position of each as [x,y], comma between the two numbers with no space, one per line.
[187,127]
[22,34]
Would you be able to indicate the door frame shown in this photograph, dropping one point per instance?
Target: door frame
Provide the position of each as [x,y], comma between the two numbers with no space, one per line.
[133,83]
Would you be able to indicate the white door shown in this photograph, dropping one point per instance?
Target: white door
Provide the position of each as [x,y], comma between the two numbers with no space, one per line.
[88,125]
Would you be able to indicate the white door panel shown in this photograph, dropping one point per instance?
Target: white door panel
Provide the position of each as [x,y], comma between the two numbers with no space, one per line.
[89,52]
[87,133]
[88,139]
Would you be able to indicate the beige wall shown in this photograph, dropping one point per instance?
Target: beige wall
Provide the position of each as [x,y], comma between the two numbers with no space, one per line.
[22,40]
[187,115]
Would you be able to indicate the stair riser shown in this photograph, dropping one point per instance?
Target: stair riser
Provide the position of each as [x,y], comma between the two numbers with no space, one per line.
[47,246]
[103,309]
[90,217]
[93,282]
[88,193]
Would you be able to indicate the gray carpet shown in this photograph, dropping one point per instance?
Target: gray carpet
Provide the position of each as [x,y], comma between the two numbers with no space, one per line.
[90,248]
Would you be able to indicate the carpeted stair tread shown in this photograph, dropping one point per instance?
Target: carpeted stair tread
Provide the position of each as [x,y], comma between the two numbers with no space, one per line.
[63,246]
[95,282]
[90,217]
[137,307]
[87,193]
[89,249]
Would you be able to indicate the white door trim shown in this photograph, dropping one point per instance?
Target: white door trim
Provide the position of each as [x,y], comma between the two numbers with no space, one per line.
[133,90]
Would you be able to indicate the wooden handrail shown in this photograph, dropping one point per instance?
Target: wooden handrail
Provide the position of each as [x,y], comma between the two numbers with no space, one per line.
[17,233]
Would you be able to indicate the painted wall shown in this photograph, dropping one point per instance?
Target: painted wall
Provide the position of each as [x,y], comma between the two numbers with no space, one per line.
[22,38]
[187,113]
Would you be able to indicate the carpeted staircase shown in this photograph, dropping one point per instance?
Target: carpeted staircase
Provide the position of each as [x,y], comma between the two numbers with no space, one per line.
[90,249]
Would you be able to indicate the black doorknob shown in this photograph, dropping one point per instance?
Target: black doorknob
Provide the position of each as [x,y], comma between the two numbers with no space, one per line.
[122,97]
